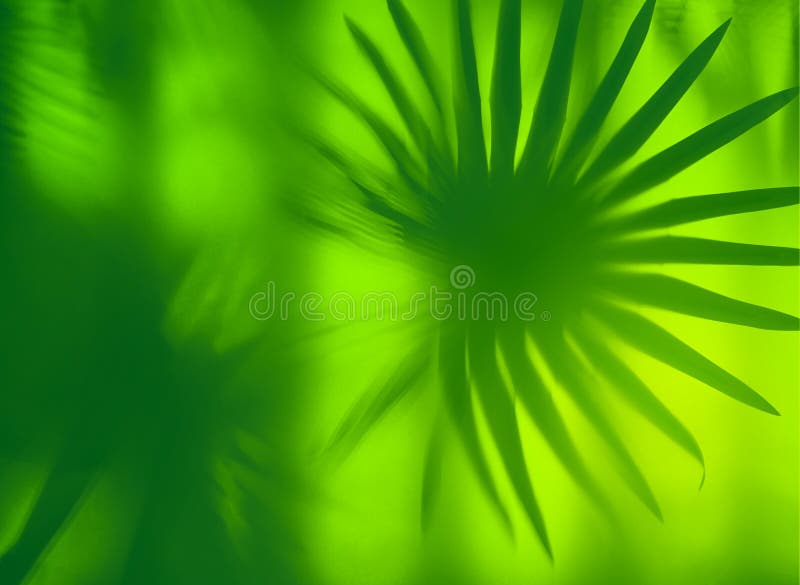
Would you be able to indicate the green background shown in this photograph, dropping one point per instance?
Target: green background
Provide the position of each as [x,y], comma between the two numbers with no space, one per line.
[148,150]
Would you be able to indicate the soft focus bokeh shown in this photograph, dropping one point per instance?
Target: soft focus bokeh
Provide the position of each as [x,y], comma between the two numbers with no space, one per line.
[154,162]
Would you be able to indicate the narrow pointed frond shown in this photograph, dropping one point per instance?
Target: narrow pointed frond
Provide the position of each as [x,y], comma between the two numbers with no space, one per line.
[380,206]
[586,132]
[362,177]
[637,394]
[342,219]
[411,229]
[351,218]
[431,475]
[641,126]
[418,50]
[441,176]
[355,169]
[665,292]
[374,405]
[539,404]
[688,209]
[327,225]
[406,166]
[437,151]
[58,499]
[571,375]
[647,337]
[458,400]
[685,250]
[506,99]
[400,97]
[502,421]
[551,108]
[696,147]
[472,165]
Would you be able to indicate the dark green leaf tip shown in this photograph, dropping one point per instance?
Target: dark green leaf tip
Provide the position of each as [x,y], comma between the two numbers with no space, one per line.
[716,37]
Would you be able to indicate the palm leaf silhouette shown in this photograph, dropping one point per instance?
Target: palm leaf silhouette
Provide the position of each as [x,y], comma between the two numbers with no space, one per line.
[553,222]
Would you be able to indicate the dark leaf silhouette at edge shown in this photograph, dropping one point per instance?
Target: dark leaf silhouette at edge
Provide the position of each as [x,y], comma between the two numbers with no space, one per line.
[539,404]
[666,292]
[501,418]
[566,369]
[699,207]
[596,113]
[458,400]
[623,380]
[641,126]
[506,98]
[699,145]
[649,338]
[551,107]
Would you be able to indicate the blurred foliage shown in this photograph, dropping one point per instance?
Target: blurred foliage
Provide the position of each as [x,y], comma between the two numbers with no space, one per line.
[146,424]
[151,431]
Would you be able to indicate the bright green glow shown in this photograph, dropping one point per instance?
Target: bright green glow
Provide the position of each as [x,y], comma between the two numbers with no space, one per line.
[164,124]
[670,472]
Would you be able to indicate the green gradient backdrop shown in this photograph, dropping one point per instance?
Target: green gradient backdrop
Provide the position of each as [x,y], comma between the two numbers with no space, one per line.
[743,526]
[170,125]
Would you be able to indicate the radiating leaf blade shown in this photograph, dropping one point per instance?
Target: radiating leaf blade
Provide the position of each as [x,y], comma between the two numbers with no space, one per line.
[644,335]
[566,368]
[358,173]
[394,86]
[472,165]
[59,497]
[551,108]
[699,145]
[458,400]
[374,405]
[502,421]
[641,126]
[418,50]
[637,394]
[506,99]
[685,250]
[437,152]
[587,129]
[539,404]
[688,209]
[666,292]
[407,167]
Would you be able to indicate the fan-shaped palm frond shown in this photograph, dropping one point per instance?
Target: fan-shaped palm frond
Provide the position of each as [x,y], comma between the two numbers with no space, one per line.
[552,222]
